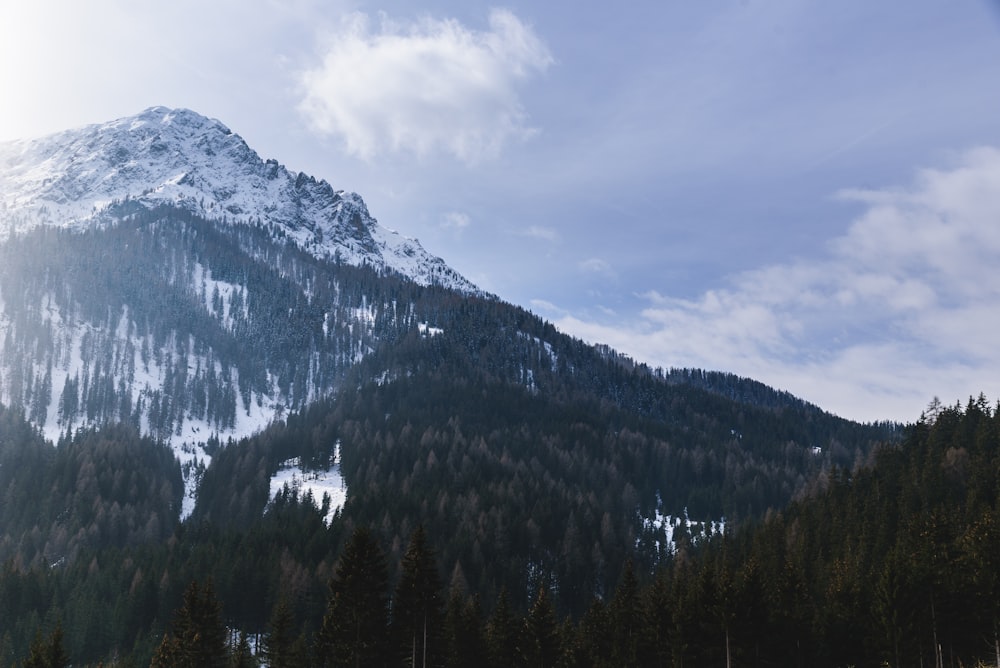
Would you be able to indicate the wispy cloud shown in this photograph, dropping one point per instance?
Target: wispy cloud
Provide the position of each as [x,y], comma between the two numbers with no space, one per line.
[546,306]
[595,265]
[456,220]
[539,232]
[904,306]
[429,86]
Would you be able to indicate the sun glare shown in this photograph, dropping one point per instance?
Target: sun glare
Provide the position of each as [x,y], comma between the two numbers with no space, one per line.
[49,58]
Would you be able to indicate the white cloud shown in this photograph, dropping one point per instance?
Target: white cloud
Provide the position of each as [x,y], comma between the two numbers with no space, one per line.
[904,306]
[430,86]
[456,220]
[547,306]
[596,265]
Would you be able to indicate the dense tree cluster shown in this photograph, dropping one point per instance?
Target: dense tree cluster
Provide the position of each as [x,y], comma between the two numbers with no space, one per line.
[163,317]
[529,488]
[98,488]
[893,562]
[122,601]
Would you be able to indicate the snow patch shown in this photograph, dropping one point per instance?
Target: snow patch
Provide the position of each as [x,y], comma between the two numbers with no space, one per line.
[669,525]
[546,349]
[318,483]
[427,331]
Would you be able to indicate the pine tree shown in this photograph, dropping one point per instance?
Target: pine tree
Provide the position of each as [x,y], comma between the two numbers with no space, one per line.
[168,653]
[356,623]
[242,656]
[56,653]
[417,617]
[981,562]
[280,639]
[625,617]
[199,636]
[48,654]
[591,645]
[541,633]
[502,635]
[465,639]
[659,627]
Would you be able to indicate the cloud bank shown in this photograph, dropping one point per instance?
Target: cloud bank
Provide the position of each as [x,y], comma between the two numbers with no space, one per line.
[904,306]
[425,87]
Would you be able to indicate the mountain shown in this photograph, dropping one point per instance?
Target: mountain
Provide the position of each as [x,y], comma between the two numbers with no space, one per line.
[156,271]
[88,214]
[79,178]
[184,326]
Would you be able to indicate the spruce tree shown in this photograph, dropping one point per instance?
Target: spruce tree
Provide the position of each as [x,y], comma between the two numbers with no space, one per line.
[625,617]
[541,633]
[280,639]
[356,622]
[502,635]
[47,654]
[199,636]
[417,615]
[465,639]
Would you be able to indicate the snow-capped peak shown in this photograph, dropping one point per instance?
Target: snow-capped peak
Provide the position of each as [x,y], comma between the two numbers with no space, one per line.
[181,158]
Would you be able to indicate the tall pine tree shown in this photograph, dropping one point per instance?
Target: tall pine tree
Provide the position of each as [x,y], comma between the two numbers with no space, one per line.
[417,607]
[356,622]
[199,636]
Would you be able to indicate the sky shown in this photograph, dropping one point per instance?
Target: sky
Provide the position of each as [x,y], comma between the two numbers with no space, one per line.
[805,193]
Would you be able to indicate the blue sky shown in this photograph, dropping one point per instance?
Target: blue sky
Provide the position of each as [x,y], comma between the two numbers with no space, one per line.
[803,192]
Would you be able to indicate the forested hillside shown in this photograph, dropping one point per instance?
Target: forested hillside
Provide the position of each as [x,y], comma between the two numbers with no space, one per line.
[891,563]
[99,488]
[148,348]
[551,499]
[165,320]
[542,459]
[186,328]
[895,563]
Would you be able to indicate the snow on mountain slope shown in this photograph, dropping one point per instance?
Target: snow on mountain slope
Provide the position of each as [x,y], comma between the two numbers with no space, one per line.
[178,157]
[329,483]
[69,367]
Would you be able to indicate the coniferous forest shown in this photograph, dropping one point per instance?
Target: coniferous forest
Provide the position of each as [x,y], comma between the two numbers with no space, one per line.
[890,562]
[175,364]
[514,495]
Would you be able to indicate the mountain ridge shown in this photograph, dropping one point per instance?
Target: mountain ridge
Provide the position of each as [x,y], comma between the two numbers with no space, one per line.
[157,272]
[77,178]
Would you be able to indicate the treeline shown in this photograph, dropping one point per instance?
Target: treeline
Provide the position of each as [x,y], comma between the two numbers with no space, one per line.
[530,494]
[418,621]
[894,562]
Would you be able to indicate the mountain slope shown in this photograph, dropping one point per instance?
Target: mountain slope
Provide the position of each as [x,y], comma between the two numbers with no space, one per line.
[541,459]
[156,272]
[176,313]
